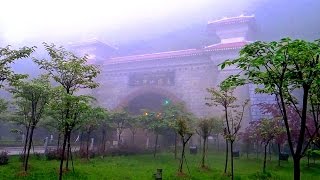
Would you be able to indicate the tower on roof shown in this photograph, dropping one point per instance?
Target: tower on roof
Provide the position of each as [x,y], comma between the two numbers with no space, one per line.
[233,29]
[97,51]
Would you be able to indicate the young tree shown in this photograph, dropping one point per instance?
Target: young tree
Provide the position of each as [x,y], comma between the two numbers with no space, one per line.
[204,129]
[134,124]
[267,130]
[119,120]
[154,122]
[36,94]
[170,113]
[91,119]
[185,128]
[233,114]
[73,74]
[282,68]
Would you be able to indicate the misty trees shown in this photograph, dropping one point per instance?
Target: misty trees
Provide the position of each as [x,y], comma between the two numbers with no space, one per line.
[154,122]
[233,114]
[134,124]
[35,96]
[281,68]
[92,117]
[170,113]
[73,74]
[119,121]
[205,127]
[267,130]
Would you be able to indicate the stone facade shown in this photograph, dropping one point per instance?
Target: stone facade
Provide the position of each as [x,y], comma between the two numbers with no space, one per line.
[194,70]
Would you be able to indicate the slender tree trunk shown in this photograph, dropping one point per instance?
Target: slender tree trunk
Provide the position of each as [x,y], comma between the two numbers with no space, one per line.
[296,168]
[231,150]
[103,140]
[88,139]
[175,145]
[155,146]
[81,141]
[218,143]
[182,157]
[265,158]
[308,156]
[68,150]
[62,153]
[29,148]
[279,152]
[227,157]
[133,134]
[119,137]
[270,151]
[257,150]
[203,152]
[26,143]
[59,138]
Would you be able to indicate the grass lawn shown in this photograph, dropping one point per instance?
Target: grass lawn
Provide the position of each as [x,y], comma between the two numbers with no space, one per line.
[142,167]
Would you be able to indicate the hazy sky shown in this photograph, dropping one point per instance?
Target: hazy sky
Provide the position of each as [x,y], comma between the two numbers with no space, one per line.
[51,19]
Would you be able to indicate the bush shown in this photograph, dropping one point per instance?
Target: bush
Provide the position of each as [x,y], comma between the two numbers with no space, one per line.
[82,153]
[53,154]
[127,151]
[4,158]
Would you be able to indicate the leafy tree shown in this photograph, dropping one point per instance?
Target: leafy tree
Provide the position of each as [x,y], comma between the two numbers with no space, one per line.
[73,74]
[36,94]
[9,56]
[204,129]
[134,124]
[267,130]
[185,128]
[233,114]
[21,117]
[170,113]
[154,122]
[281,68]
[78,106]
[91,119]
[119,120]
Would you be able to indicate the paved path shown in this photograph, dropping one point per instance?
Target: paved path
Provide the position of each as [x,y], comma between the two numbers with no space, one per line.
[37,149]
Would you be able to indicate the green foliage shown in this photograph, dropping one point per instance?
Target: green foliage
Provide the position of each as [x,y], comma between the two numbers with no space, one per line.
[153,121]
[32,98]
[206,126]
[7,57]
[69,70]
[233,112]
[77,107]
[93,117]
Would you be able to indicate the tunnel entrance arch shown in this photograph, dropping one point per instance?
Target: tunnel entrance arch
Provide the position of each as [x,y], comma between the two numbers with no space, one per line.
[151,99]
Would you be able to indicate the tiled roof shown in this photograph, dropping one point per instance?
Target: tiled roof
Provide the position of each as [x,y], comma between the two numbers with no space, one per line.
[179,53]
[231,20]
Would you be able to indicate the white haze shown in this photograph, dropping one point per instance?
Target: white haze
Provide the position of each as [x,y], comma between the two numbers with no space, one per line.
[49,20]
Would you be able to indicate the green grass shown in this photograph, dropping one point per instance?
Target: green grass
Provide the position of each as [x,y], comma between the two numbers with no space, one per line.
[142,167]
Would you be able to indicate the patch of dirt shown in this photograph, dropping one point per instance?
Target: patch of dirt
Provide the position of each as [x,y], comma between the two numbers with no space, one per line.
[22,174]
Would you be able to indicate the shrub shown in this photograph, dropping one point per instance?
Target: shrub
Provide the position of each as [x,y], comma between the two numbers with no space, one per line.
[82,153]
[4,158]
[54,154]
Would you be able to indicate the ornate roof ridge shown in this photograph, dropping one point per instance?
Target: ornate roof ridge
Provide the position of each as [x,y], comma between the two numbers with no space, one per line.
[178,53]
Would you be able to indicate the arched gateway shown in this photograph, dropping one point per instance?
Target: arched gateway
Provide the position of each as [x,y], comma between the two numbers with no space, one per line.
[146,80]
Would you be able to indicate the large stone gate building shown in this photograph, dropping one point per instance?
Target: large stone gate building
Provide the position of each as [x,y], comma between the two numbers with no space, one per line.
[147,80]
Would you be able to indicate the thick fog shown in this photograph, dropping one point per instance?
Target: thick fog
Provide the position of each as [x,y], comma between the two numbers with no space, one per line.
[144,26]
